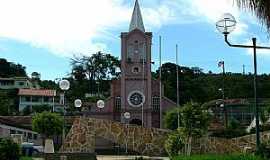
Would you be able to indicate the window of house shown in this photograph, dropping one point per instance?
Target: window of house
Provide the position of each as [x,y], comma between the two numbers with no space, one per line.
[12,131]
[36,99]
[35,136]
[27,99]
[155,103]
[29,135]
[21,83]
[118,103]
[46,99]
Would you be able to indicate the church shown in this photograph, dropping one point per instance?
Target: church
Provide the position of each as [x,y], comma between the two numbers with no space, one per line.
[136,91]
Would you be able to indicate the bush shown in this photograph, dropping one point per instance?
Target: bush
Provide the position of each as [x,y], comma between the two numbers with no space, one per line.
[264,151]
[174,144]
[9,150]
[170,119]
[232,131]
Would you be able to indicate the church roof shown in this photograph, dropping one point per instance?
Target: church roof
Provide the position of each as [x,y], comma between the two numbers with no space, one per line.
[136,20]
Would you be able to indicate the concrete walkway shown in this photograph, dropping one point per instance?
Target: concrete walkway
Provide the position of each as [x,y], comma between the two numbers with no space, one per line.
[101,157]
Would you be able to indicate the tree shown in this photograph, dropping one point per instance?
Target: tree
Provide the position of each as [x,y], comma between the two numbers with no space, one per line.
[9,150]
[36,76]
[48,124]
[5,104]
[170,119]
[261,8]
[98,67]
[9,69]
[194,123]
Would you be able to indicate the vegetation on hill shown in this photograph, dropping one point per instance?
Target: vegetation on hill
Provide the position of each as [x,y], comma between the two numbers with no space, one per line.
[198,86]
[10,69]
[94,74]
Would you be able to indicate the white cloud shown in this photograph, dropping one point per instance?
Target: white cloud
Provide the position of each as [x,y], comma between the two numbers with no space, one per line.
[262,52]
[66,27]
[62,26]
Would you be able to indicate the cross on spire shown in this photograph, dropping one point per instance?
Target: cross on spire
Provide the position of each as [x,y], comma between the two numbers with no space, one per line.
[136,20]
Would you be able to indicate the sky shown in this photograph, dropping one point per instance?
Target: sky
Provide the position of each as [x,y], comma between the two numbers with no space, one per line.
[44,35]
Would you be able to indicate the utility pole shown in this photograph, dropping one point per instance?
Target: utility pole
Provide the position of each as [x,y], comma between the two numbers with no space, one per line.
[223,94]
[160,85]
[244,69]
[177,87]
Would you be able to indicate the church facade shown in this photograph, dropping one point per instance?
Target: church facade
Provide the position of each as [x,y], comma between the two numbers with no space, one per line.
[136,91]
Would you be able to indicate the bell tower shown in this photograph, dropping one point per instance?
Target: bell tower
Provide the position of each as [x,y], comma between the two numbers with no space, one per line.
[136,70]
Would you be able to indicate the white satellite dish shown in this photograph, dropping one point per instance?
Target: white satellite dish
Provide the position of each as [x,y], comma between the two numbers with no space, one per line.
[127,115]
[78,103]
[100,104]
[64,84]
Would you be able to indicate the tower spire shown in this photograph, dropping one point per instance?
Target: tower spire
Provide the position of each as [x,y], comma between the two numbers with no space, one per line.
[136,20]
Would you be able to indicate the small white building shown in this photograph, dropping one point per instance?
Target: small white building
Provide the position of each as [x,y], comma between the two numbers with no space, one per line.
[16,83]
[36,97]
[8,129]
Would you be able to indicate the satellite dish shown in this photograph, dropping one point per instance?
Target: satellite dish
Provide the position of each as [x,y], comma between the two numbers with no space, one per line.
[127,115]
[100,104]
[78,103]
[64,84]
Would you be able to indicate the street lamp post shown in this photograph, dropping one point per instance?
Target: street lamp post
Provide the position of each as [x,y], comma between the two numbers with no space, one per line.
[226,25]
[224,107]
[127,117]
[64,86]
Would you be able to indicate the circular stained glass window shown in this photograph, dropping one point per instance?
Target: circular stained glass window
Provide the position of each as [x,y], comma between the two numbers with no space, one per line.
[136,99]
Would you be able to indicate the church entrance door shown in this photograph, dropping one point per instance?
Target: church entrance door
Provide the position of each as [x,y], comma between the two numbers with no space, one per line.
[136,122]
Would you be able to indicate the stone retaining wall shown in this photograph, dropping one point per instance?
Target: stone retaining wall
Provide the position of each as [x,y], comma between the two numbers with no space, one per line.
[81,138]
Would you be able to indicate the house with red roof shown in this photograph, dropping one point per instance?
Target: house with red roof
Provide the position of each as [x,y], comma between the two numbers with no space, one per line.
[36,97]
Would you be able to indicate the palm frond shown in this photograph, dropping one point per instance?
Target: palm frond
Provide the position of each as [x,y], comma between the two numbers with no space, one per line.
[261,8]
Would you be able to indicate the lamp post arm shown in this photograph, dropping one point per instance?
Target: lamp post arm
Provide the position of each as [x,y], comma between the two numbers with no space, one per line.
[242,46]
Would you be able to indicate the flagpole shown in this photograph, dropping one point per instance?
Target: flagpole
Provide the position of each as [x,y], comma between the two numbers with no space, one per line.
[160,85]
[177,88]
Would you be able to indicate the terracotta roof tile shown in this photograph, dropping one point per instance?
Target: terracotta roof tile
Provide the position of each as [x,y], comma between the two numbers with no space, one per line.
[37,92]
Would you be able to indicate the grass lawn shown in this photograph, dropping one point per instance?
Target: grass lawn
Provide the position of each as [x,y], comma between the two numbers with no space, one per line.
[26,158]
[218,157]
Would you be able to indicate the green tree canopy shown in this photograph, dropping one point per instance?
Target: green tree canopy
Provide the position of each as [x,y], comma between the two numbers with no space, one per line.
[99,66]
[48,124]
[9,150]
[197,86]
[194,123]
[6,107]
[9,69]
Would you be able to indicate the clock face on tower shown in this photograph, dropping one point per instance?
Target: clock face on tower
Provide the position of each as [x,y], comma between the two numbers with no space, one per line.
[136,99]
